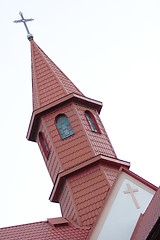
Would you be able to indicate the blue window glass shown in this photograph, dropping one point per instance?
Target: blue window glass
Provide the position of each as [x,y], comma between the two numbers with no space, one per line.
[64,126]
[92,121]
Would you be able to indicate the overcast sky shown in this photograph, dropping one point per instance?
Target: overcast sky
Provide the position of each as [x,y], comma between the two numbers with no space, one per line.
[110,49]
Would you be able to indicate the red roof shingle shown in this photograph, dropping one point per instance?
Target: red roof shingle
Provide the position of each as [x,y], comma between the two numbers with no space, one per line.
[48,81]
[45,231]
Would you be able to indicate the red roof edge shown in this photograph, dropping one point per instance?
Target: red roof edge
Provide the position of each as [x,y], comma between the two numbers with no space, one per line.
[150,220]
[45,109]
[142,180]
[62,175]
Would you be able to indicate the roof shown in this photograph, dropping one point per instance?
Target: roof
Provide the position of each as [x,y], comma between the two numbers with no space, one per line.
[56,228]
[149,219]
[49,82]
[111,174]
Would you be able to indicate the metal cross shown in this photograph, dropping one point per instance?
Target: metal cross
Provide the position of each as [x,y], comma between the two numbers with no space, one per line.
[29,36]
[131,191]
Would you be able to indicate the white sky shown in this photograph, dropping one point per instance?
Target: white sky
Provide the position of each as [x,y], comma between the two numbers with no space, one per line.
[111,50]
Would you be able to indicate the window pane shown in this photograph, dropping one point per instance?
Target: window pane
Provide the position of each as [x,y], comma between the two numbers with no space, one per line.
[64,126]
[91,121]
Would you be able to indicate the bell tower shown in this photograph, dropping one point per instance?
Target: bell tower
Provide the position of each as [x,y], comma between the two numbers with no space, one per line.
[72,139]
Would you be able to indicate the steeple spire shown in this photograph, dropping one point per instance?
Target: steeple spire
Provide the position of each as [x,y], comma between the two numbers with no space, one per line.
[29,36]
[49,82]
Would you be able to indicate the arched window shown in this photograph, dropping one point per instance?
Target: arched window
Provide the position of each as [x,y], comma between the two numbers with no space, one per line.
[92,122]
[44,145]
[64,126]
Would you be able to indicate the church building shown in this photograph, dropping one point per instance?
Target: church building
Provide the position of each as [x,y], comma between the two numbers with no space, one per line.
[99,197]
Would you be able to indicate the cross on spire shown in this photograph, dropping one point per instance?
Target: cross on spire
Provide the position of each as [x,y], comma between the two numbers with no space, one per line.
[131,191]
[29,36]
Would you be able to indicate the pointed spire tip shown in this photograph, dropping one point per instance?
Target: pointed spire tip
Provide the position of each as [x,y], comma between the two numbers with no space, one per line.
[30,37]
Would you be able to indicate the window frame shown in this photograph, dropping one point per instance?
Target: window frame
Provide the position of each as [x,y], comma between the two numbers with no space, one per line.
[44,145]
[61,128]
[90,115]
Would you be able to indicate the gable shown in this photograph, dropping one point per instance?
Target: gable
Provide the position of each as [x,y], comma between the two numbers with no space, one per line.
[128,198]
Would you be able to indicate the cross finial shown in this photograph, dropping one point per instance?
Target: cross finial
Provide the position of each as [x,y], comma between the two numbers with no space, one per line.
[29,36]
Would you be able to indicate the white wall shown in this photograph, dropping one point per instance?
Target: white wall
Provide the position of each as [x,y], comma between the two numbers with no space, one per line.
[124,214]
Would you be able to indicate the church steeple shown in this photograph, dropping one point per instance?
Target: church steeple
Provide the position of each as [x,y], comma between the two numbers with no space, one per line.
[75,146]
[49,82]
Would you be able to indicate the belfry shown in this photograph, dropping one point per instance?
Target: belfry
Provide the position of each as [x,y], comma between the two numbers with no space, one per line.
[100,198]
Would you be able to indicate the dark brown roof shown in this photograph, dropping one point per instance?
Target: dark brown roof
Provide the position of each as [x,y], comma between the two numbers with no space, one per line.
[55,229]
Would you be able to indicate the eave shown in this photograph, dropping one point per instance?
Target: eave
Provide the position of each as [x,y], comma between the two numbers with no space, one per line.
[34,122]
[64,174]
